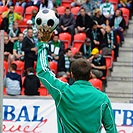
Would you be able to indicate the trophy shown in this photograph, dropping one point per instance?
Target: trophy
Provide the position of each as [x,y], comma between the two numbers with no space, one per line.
[46,22]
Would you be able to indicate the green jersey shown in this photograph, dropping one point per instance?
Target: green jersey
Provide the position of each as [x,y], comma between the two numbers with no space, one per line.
[81,108]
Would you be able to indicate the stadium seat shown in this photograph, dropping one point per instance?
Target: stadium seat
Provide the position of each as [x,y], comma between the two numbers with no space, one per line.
[115,3]
[28,11]
[22,91]
[118,39]
[126,14]
[3,9]
[66,3]
[42,90]
[63,79]
[79,39]
[97,83]
[75,11]
[5,67]
[19,10]
[20,66]
[74,50]
[22,25]
[66,38]
[53,66]
[60,10]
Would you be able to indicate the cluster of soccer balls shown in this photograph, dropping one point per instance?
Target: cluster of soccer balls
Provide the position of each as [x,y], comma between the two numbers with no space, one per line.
[47,17]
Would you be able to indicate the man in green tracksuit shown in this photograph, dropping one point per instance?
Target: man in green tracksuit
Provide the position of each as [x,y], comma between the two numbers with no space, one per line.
[81,108]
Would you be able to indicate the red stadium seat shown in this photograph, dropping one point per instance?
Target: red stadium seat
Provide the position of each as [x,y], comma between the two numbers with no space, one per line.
[66,3]
[3,9]
[118,39]
[79,39]
[75,11]
[53,66]
[74,50]
[5,67]
[22,25]
[42,90]
[63,79]
[22,91]
[115,3]
[20,66]
[19,10]
[60,10]
[97,83]
[28,11]
[66,38]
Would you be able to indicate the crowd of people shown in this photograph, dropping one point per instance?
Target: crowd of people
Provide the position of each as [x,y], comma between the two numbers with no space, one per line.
[97,19]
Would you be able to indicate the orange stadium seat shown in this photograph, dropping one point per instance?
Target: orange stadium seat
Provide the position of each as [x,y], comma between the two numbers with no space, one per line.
[19,10]
[74,50]
[97,83]
[28,11]
[79,39]
[53,66]
[3,9]
[20,66]
[60,10]
[66,38]
[75,11]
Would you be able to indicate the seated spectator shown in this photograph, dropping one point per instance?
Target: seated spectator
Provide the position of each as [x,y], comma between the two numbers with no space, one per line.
[12,81]
[118,24]
[46,4]
[63,66]
[77,3]
[17,49]
[30,25]
[67,22]
[125,3]
[6,2]
[34,12]
[56,47]
[9,17]
[8,50]
[21,3]
[96,36]
[101,20]
[31,83]
[89,6]
[83,22]
[107,9]
[98,64]
[14,32]
[85,49]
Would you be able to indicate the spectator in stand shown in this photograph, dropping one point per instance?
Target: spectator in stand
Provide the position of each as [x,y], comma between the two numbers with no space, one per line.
[21,3]
[28,46]
[31,83]
[89,6]
[85,49]
[9,17]
[77,3]
[83,22]
[96,36]
[118,24]
[63,66]
[56,47]
[33,3]
[46,4]
[101,20]
[14,32]
[6,2]
[67,22]
[34,12]
[13,82]
[98,64]
[17,49]
[8,50]
[107,9]
[125,3]
[30,25]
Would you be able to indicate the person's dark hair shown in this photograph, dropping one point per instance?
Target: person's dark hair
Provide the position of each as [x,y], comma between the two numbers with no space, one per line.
[67,8]
[30,69]
[78,55]
[80,69]
[56,35]
[82,8]
[12,4]
[45,3]
[13,66]
[66,50]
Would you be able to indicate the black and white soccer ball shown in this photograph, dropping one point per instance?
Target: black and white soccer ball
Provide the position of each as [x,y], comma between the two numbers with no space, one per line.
[47,17]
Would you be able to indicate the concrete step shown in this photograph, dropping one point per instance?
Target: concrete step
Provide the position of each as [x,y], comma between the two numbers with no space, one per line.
[124,64]
[120,100]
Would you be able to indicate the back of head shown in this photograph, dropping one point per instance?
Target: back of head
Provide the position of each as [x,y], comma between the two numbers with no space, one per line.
[80,69]
[30,70]
[13,66]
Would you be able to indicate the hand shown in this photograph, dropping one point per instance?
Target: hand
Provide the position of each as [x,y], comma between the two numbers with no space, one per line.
[6,53]
[34,49]
[92,65]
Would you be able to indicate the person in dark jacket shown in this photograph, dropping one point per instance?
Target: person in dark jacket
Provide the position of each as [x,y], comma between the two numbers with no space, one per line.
[31,83]
[28,46]
[12,81]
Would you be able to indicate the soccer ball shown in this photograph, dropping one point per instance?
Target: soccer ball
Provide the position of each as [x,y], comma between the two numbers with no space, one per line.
[48,17]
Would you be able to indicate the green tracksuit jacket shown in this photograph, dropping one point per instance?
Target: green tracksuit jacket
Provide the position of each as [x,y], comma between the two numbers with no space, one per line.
[81,108]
